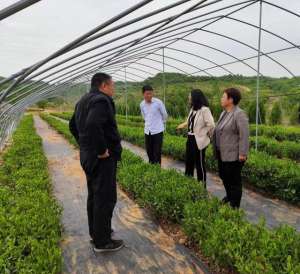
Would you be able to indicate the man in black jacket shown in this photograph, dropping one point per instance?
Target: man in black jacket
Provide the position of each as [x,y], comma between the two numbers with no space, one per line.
[94,127]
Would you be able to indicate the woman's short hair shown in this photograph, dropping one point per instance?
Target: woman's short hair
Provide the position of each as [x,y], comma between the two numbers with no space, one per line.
[234,94]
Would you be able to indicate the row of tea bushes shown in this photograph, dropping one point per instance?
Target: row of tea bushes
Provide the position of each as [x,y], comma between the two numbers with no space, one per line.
[280,133]
[283,149]
[223,234]
[63,115]
[279,177]
[280,149]
[59,126]
[30,228]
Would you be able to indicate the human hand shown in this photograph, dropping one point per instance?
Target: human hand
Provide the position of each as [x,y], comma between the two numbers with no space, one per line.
[104,155]
[242,158]
[181,126]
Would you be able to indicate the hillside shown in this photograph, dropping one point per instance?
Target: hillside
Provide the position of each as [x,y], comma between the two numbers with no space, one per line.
[282,91]
[178,87]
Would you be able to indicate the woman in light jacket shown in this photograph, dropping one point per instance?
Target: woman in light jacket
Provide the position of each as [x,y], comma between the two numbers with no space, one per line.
[200,125]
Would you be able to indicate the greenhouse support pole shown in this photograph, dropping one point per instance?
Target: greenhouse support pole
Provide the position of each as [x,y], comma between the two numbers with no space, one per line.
[126,94]
[164,79]
[258,74]
[164,76]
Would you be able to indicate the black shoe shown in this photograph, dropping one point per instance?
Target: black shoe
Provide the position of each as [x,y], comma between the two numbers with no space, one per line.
[225,200]
[113,245]
[92,240]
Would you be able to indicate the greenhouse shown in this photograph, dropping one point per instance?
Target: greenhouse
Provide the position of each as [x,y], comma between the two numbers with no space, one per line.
[107,109]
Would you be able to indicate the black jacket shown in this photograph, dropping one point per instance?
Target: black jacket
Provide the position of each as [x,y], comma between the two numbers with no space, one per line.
[94,126]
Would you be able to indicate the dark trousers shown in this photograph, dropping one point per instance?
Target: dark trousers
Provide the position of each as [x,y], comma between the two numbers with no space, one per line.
[153,147]
[193,157]
[102,196]
[230,173]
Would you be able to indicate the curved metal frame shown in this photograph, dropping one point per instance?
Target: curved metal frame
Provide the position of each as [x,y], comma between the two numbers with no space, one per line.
[132,60]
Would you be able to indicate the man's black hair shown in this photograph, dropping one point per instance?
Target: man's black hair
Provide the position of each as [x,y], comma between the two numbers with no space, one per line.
[99,78]
[146,87]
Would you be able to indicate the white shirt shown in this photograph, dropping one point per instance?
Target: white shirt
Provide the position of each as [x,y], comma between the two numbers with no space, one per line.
[155,116]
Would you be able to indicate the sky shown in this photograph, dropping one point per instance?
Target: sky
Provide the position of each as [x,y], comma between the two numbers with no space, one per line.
[38,31]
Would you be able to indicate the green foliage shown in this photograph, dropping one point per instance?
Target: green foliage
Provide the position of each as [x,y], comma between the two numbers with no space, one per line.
[276,114]
[252,112]
[29,216]
[178,86]
[225,236]
[280,133]
[42,104]
[222,233]
[163,191]
[61,127]
[66,99]
[284,149]
[295,115]
[216,109]
[280,177]
[63,115]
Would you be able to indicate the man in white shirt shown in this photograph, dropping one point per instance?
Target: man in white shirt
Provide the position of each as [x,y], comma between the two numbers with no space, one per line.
[155,115]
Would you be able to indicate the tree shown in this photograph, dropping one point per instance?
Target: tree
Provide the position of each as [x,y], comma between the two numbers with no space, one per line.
[216,109]
[252,112]
[276,114]
[295,115]
[42,104]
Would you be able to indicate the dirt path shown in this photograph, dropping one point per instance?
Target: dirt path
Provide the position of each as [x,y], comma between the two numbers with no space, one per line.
[275,211]
[148,249]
